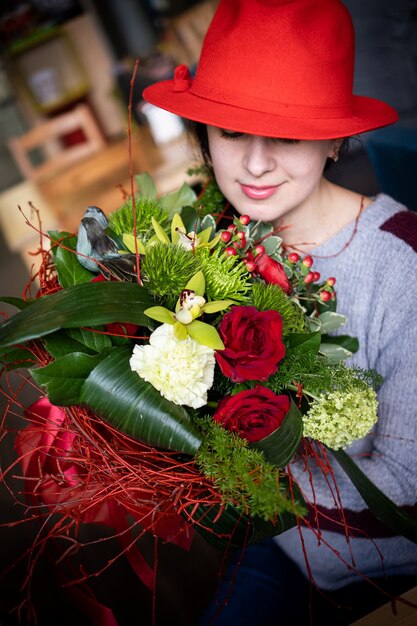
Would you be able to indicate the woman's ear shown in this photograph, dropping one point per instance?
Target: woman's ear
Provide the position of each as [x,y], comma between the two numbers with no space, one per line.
[335,148]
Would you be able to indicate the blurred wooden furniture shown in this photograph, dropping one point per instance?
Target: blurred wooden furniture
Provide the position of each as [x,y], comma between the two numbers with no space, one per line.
[49,138]
[185,32]
[384,616]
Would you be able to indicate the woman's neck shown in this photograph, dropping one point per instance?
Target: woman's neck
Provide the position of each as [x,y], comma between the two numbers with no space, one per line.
[324,214]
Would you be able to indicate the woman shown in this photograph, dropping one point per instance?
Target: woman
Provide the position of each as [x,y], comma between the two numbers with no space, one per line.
[273,100]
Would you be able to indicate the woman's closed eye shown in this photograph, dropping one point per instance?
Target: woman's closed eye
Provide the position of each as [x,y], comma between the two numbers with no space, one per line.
[231,134]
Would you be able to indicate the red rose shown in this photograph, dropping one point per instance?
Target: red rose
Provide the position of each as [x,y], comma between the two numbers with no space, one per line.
[272,272]
[253,344]
[253,413]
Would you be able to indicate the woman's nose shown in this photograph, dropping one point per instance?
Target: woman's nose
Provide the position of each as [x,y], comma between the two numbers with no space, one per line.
[259,158]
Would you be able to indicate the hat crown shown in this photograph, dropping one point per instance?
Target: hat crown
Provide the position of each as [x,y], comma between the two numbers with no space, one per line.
[278,52]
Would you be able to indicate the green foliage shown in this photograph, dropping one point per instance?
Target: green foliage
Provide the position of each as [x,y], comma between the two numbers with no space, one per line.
[70,271]
[271,297]
[166,269]
[121,221]
[211,201]
[241,474]
[226,277]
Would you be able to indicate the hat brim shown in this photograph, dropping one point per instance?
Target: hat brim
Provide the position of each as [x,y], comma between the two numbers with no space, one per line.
[367,114]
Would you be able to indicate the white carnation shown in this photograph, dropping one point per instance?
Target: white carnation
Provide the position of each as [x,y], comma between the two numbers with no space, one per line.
[181,370]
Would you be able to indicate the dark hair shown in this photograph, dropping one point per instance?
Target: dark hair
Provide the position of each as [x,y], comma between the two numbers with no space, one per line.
[198,131]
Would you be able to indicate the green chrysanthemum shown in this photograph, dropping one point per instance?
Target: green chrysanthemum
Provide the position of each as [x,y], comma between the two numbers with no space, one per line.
[121,221]
[340,417]
[226,277]
[166,269]
[271,297]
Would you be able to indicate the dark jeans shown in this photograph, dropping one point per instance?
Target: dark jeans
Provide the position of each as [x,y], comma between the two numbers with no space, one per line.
[263,587]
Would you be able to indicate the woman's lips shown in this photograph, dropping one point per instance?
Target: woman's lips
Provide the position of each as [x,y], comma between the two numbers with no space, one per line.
[258,193]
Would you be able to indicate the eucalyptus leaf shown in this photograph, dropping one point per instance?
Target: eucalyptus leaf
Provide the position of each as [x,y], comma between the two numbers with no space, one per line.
[272,244]
[208,221]
[146,185]
[393,516]
[135,407]
[89,304]
[280,446]
[173,202]
[63,378]
[334,352]
[331,321]
[346,341]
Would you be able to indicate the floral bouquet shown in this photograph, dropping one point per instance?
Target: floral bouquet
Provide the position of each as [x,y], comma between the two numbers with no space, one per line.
[183,362]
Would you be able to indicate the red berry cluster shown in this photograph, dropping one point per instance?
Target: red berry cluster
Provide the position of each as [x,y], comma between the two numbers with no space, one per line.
[235,239]
[303,264]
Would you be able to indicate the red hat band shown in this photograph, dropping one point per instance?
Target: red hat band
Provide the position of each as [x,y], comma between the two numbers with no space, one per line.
[275,67]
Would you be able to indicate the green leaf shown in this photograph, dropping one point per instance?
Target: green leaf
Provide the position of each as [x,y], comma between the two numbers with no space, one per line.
[70,271]
[136,408]
[272,244]
[205,334]
[63,378]
[173,202]
[15,358]
[95,341]
[18,303]
[381,506]
[147,188]
[346,341]
[159,231]
[60,343]
[89,304]
[334,353]
[279,447]
[129,242]
[235,530]
[331,321]
[303,342]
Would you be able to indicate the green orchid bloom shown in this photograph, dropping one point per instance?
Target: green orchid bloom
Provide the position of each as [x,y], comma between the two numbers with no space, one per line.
[191,305]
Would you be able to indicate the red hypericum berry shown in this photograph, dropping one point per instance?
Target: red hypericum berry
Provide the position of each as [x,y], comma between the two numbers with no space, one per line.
[251,266]
[231,228]
[249,255]
[309,278]
[293,257]
[244,219]
[260,249]
[230,251]
[331,281]
[308,261]
[226,236]
[316,276]
[240,234]
[325,296]
[241,243]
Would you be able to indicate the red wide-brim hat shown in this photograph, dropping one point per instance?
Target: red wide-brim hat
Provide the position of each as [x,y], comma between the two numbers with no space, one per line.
[277,68]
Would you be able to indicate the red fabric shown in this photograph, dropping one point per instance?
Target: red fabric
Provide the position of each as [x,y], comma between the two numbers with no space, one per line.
[277,68]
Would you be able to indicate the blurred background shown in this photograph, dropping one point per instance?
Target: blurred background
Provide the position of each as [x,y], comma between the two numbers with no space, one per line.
[65,80]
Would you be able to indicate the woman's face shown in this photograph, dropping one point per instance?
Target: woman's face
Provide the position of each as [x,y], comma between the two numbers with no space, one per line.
[267,178]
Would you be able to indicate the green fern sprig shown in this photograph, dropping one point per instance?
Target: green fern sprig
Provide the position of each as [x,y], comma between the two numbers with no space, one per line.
[242,474]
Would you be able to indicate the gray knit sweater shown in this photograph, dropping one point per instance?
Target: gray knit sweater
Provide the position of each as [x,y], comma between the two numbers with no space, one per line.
[376,289]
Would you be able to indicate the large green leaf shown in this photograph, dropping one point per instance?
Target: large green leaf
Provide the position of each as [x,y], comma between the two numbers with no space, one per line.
[89,304]
[303,342]
[135,407]
[16,302]
[381,506]
[279,447]
[63,378]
